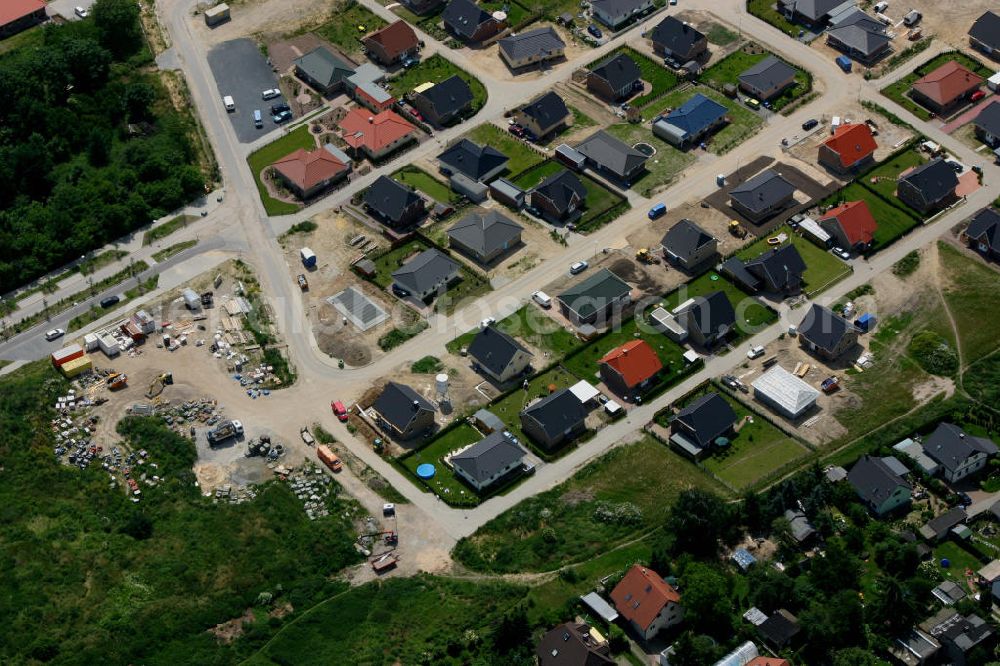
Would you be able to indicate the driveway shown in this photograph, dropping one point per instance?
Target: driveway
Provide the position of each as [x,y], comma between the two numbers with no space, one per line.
[242,72]
[65,8]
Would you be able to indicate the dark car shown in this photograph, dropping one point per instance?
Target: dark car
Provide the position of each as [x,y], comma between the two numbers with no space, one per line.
[109,301]
[964,499]
[809,124]
[955,166]
[282,117]
[279,108]
[595,31]
[399,291]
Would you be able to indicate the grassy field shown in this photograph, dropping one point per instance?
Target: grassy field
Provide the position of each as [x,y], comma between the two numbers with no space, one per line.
[898,91]
[436,68]
[560,527]
[743,121]
[764,10]
[167,228]
[350,22]
[584,364]
[660,79]
[892,222]
[729,68]
[99,261]
[662,167]
[509,407]
[720,35]
[533,326]
[445,483]
[599,199]
[521,155]
[752,316]
[822,267]
[419,179]
[396,620]
[969,288]
[258,160]
[176,248]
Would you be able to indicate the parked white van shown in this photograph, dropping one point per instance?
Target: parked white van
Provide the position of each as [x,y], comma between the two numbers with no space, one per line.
[229,103]
[542,299]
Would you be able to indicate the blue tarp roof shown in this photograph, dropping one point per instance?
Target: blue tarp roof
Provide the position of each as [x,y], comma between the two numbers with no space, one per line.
[694,115]
[743,558]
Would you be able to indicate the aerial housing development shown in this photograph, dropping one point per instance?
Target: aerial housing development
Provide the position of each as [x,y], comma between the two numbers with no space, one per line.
[469,332]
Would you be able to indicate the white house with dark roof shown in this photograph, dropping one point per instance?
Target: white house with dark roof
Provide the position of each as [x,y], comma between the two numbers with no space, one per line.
[425,275]
[825,333]
[543,115]
[611,157]
[987,124]
[493,458]
[498,355]
[555,419]
[689,246]
[762,196]
[485,235]
[531,47]
[768,78]
[984,35]
[959,454]
[480,163]
[616,13]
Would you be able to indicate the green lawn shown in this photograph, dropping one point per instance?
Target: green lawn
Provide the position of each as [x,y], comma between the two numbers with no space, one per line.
[419,179]
[99,261]
[167,228]
[822,267]
[580,119]
[882,179]
[436,68]
[521,155]
[654,73]
[600,200]
[898,91]
[720,35]
[445,483]
[515,12]
[509,407]
[529,324]
[743,122]
[176,248]
[892,222]
[729,68]
[386,263]
[470,287]
[662,167]
[764,10]
[959,560]
[260,159]
[584,364]
[560,526]
[351,23]
[752,315]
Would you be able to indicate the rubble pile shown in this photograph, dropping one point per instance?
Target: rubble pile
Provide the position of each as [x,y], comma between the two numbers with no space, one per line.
[312,486]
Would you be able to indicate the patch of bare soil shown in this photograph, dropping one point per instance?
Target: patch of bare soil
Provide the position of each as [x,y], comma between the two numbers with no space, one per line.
[574,497]
[924,391]
[228,631]
[337,342]
[629,271]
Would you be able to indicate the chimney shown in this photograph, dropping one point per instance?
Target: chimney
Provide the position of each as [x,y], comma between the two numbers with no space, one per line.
[371,120]
[416,405]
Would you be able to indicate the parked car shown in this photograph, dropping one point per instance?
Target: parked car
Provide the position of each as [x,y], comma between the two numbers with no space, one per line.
[752,103]
[81,12]
[755,352]
[964,499]
[578,267]
[258,120]
[809,124]
[338,410]
[303,284]
[109,301]
[542,299]
[841,252]
[279,108]
[955,166]
[54,333]
[271,93]
[409,62]
[594,31]
[282,117]
[978,95]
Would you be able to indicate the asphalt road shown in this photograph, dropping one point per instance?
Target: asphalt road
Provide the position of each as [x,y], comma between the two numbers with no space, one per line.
[242,72]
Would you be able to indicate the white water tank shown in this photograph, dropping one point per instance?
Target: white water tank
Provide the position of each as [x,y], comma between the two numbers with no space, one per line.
[441,384]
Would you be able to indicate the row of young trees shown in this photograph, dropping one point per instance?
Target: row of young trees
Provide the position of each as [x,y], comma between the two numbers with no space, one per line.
[72,176]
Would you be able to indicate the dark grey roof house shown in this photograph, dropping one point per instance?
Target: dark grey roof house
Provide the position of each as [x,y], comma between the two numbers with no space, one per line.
[393,203]
[485,235]
[560,196]
[813,13]
[543,115]
[768,78]
[939,527]
[881,489]
[445,101]
[555,419]
[616,13]
[983,233]
[987,124]
[531,47]
[825,333]
[802,530]
[762,196]
[709,319]
[984,34]
[615,79]
[498,355]
[958,453]
[678,40]
[928,187]
[702,422]
[611,157]
[860,36]
[322,70]
[479,163]
[572,644]
[425,275]
[688,245]
[779,628]
[495,457]
[402,412]
[959,635]
[595,299]
[469,22]
[776,271]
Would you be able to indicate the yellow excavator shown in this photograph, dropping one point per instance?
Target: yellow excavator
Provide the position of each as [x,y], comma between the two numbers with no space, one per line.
[156,387]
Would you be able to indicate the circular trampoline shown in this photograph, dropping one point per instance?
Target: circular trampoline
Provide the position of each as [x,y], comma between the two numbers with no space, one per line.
[425,471]
[645,149]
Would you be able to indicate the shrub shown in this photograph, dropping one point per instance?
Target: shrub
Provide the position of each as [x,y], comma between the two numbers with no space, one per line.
[907,265]
[933,353]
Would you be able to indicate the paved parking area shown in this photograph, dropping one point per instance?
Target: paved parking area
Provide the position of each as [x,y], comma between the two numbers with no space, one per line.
[65,8]
[242,72]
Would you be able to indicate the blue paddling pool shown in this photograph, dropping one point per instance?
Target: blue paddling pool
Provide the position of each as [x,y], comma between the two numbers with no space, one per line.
[425,471]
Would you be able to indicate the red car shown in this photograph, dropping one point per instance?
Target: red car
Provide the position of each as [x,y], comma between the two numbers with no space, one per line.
[978,95]
[338,410]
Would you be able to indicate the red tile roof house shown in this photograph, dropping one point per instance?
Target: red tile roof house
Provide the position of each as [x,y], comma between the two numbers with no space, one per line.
[945,87]
[851,224]
[376,135]
[307,173]
[647,601]
[18,15]
[851,148]
[392,43]
[631,369]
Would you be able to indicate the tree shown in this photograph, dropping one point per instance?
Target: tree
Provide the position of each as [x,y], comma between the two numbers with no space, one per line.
[891,608]
[706,599]
[836,570]
[697,521]
[138,98]
[833,623]
[854,656]
[117,24]
[691,649]
[513,632]
[771,589]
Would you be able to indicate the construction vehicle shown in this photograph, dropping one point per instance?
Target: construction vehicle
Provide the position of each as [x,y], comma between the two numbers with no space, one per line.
[156,387]
[737,229]
[224,431]
[643,255]
[117,381]
[307,436]
[830,385]
[389,537]
[329,458]
[384,563]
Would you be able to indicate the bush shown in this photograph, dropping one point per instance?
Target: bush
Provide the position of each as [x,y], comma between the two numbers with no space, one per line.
[933,353]
[427,365]
[907,265]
